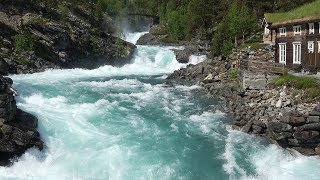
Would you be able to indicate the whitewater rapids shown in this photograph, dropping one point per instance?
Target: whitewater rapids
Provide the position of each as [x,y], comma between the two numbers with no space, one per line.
[122,123]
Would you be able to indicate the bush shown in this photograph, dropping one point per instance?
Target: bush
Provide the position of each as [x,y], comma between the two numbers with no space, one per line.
[23,42]
[234,73]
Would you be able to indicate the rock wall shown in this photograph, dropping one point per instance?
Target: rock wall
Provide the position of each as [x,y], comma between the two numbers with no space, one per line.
[17,128]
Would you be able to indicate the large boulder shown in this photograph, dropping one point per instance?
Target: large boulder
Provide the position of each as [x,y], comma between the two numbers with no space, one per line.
[17,128]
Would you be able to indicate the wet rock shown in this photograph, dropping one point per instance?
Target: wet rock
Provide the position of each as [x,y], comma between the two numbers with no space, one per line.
[17,128]
[306,136]
[311,126]
[247,127]
[279,127]
[305,151]
[293,120]
[4,67]
[313,119]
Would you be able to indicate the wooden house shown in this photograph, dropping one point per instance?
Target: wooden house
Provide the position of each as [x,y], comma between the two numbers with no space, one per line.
[297,36]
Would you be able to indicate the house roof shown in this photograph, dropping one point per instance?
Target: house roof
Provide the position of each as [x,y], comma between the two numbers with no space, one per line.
[306,13]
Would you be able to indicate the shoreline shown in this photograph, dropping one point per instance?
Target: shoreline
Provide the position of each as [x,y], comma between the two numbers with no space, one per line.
[270,112]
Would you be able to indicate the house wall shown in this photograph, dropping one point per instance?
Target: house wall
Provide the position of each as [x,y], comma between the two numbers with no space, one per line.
[308,60]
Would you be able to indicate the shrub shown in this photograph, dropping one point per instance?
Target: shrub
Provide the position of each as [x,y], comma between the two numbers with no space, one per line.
[23,42]
[234,73]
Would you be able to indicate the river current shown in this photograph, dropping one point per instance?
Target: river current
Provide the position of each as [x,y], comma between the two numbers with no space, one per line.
[124,123]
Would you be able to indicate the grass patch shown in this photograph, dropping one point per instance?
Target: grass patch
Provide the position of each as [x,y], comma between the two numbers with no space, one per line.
[297,82]
[255,46]
[310,85]
[305,11]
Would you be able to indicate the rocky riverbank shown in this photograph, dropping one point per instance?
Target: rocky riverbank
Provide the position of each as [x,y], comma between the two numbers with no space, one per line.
[283,115]
[18,129]
[35,37]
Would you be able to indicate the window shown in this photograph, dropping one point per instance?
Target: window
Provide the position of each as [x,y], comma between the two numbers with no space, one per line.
[297,53]
[282,53]
[318,46]
[311,28]
[283,31]
[266,30]
[311,47]
[297,30]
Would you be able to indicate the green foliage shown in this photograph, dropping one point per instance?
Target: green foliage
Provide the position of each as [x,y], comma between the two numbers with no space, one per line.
[64,10]
[234,73]
[297,82]
[177,21]
[239,22]
[23,42]
[94,44]
[309,85]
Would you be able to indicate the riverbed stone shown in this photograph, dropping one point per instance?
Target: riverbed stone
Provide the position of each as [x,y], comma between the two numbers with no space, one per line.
[311,126]
[313,119]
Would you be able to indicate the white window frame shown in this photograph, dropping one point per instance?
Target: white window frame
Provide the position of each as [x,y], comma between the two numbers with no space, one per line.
[310,47]
[283,53]
[283,31]
[295,30]
[296,52]
[318,46]
[266,30]
[311,28]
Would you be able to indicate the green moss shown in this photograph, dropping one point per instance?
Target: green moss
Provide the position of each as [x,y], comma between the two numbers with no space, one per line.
[305,11]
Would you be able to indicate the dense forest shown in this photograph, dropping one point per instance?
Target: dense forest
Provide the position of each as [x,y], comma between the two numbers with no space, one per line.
[225,23]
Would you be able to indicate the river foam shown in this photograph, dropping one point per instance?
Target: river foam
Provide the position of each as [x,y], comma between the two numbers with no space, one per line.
[124,123]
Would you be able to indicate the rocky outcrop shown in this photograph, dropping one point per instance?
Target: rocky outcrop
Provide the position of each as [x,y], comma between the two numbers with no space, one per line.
[34,37]
[281,114]
[18,129]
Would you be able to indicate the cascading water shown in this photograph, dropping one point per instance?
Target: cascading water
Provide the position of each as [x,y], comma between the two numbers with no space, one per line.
[122,123]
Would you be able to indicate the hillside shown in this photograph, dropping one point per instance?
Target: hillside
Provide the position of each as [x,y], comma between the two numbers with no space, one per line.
[40,34]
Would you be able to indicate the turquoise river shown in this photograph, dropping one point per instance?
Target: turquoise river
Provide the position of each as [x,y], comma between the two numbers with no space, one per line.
[123,123]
